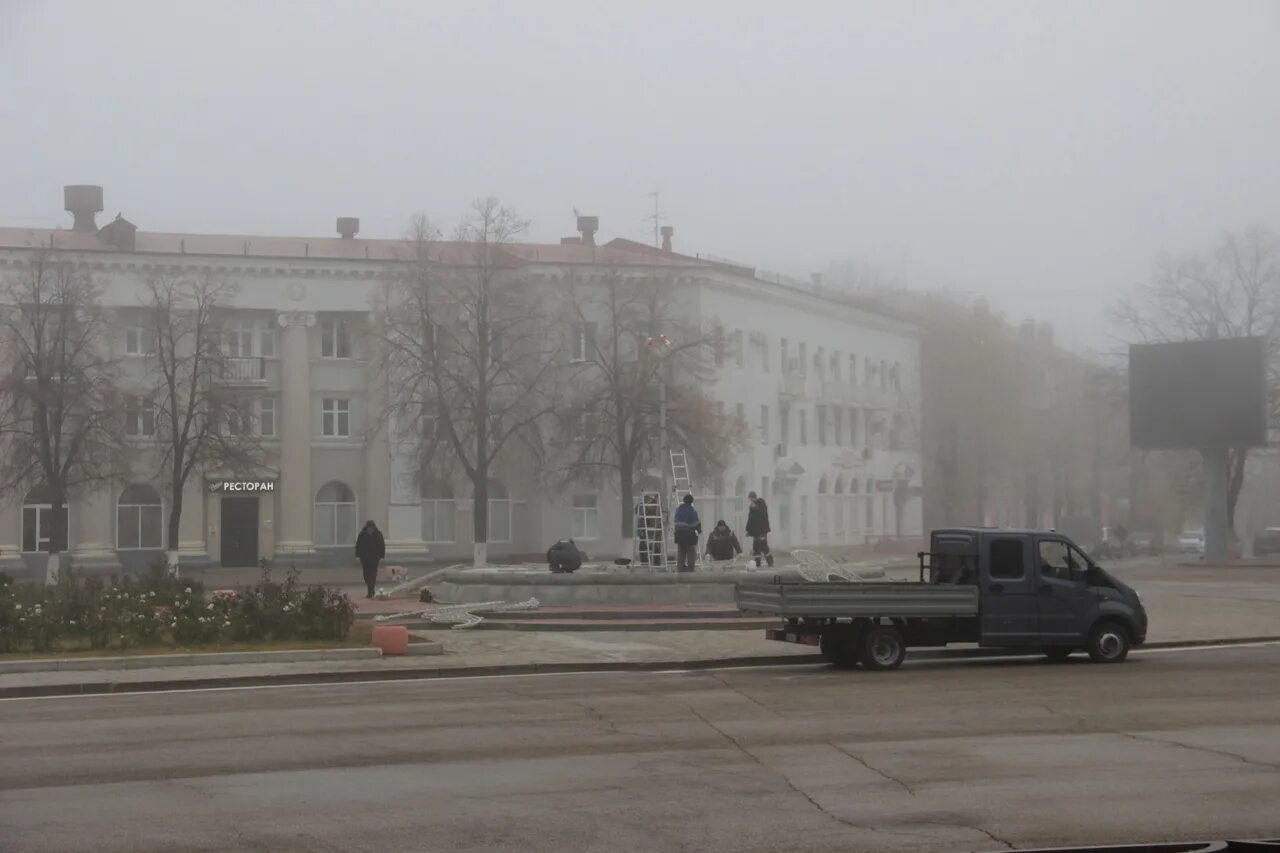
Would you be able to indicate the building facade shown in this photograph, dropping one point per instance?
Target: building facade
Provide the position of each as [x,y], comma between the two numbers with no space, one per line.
[827,389]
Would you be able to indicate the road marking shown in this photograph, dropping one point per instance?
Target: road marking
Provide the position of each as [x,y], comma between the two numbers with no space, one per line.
[123,694]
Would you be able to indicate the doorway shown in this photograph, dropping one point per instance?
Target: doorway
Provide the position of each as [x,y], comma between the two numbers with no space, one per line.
[239,531]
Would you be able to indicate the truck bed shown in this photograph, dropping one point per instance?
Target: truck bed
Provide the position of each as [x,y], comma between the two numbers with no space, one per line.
[802,599]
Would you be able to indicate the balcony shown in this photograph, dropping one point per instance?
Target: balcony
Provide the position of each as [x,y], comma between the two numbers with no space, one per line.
[243,371]
[794,387]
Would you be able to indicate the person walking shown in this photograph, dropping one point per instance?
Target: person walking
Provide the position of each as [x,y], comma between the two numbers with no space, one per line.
[758,528]
[722,543]
[687,528]
[370,549]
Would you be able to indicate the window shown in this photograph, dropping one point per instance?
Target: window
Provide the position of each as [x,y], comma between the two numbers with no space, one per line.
[764,423]
[782,355]
[583,341]
[438,512]
[835,366]
[764,354]
[336,420]
[853,427]
[820,418]
[138,519]
[784,422]
[37,523]
[586,517]
[884,378]
[335,515]
[139,339]
[820,364]
[804,427]
[837,415]
[1007,559]
[739,351]
[499,513]
[803,359]
[582,426]
[250,417]
[333,338]
[853,368]
[266,407]
[247,337]
[804,517]
[895,376]
[822,507]
[139,417]
[868,368]
[1059,560]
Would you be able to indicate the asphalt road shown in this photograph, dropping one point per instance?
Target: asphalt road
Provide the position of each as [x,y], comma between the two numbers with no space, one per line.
[971,756]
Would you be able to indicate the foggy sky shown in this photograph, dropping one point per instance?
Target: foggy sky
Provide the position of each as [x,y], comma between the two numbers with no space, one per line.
[1041,154]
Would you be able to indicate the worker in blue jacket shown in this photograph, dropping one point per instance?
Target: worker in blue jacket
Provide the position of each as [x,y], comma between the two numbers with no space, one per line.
[687,528]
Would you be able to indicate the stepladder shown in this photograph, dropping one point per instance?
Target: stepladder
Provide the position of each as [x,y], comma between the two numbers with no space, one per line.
[651,533]
[681,483]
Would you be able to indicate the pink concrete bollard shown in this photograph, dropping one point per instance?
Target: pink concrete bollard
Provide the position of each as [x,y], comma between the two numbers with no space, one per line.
[392,639]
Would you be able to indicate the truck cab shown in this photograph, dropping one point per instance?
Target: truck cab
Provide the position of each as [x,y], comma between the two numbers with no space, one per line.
[1037,588]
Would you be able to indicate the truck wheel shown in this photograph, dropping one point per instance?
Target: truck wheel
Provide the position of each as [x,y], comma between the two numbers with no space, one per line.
[883,648]
[1057,653]
[1108,643]
[838,648]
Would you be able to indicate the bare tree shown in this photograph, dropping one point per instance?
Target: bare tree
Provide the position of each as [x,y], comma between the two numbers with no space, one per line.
[199,424]
[1232,291]
[629,334]
[468,354]
[60,422]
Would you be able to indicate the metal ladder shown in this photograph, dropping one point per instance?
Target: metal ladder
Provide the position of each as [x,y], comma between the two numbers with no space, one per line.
[652,531]
[681,484]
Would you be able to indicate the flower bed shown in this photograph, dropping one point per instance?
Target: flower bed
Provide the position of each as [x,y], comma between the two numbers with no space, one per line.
[158,610]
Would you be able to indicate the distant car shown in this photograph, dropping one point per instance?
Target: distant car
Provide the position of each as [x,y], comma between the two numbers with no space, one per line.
[1191,541]
[1143,544]
[1267,542]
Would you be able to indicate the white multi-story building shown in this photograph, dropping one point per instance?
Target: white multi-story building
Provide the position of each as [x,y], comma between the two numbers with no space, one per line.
[830,393]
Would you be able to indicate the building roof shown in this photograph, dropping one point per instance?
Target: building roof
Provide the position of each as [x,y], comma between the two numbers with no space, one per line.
[330,248]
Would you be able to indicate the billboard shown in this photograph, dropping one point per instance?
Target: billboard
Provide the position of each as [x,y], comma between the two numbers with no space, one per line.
[1198,394]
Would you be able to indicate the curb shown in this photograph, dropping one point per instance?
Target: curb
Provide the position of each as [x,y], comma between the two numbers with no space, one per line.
[100,688]
[134,662]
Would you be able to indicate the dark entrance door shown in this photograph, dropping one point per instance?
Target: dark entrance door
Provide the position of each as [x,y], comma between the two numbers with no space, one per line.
[239,531]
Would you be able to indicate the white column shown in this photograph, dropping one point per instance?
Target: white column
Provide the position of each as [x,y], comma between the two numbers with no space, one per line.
[296,498]
[191,527]
[93,519]
[11,532]
[377,458]
[404,515]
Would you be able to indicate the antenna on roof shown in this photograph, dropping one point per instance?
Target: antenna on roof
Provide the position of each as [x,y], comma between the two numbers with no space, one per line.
[656,219]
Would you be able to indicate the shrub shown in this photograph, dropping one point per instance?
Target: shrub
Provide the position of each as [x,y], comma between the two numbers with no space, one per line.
[156,608]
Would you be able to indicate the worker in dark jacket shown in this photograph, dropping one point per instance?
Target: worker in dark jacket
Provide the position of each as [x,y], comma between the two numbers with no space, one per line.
[687,528]
[758,528]
[370,549]
[722,543]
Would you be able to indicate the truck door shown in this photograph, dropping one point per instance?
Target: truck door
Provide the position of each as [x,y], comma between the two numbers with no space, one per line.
[1008,616]
[1063,599]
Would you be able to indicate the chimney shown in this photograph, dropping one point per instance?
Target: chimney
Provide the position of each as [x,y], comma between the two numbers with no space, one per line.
[587,227]
[667,231]
[348,227]
[83,201]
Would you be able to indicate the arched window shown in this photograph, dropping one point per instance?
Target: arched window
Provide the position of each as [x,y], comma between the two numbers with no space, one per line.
[37,523]
[499,512]
[438,512]
[139,519]
[335,515]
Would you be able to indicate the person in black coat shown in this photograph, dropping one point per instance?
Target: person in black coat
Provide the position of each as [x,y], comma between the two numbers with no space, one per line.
[722,543]
[370,549]
[758,528]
